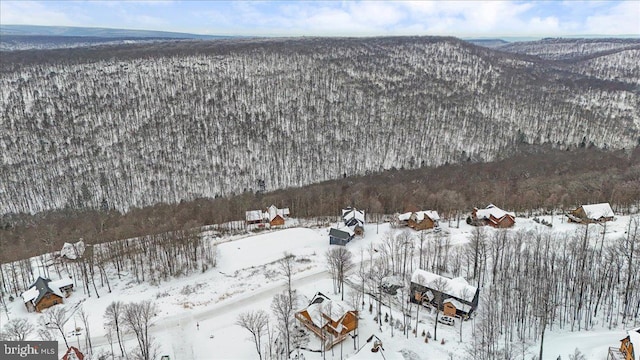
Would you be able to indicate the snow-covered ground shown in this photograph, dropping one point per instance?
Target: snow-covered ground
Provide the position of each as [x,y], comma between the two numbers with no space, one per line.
[197,314]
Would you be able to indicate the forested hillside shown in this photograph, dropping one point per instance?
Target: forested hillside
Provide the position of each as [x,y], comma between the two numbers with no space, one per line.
[559,48]
[141,124]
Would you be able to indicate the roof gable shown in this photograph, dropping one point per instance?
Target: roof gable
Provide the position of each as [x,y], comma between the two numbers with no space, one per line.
[41,287]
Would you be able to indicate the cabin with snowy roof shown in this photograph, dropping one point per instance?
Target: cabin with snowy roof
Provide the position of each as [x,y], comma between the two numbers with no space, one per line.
[629,347]
[330,320]
[593,213]
[452,296]
[45,293]
[422,220]
[492,216]
[354,219]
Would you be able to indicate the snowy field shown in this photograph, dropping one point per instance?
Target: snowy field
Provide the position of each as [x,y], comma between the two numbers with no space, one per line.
[197,314]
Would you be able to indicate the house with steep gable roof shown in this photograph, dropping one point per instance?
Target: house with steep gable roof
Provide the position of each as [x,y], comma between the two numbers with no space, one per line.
[276,216]
[331,320]
[354,219]
[45,293]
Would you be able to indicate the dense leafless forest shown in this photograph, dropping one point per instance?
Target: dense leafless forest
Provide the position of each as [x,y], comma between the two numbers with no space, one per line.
[539,178]
[131,126]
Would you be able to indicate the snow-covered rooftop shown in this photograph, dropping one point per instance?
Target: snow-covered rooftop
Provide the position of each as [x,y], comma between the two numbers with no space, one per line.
[460,306]
[597,211]
[273,211]
[343,232]
[494,211]
[348,214]
[72,251]
[634,337]
[431,214]
[254,215]
[322,305]
[404,217]
[457,287]
[43,286]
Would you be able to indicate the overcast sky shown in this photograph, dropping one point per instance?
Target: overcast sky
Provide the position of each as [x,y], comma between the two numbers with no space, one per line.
[338,18]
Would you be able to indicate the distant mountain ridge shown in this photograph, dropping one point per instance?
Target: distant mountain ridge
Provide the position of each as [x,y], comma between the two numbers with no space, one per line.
[162,122]
[36,30]
[28,37]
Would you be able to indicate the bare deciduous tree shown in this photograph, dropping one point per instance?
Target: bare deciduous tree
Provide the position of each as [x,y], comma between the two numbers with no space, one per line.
[17,329]
[283,312]
[137,318]
[340,262]
[54,318]
[256,322]
[113,319]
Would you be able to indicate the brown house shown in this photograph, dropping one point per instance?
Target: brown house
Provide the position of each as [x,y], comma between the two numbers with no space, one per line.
[629,347]
[422,220]
[492,216]
[330,320]
[276,216]
[593,213]
[45,293]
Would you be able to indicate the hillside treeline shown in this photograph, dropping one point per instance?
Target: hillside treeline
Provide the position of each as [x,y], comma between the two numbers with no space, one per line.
[161,123]
[540,178]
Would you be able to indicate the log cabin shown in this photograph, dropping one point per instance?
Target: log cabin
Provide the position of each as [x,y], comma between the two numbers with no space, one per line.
[422,220]
[330,320]
[45,293]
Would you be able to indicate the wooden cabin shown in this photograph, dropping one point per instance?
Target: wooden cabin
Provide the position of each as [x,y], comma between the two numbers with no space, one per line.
[45,293]
[492,216]
[422,220]
[629,347]
[340,236]
[593,213]
[455,297]
[330,320]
